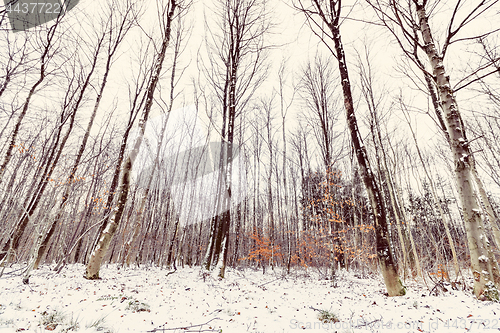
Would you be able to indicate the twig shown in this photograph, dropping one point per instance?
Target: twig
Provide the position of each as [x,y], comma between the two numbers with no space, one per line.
[185,327]
[63,260]
[315,309]
[437,283]
[16,270]
[260,285]
[367,324]
[216,310]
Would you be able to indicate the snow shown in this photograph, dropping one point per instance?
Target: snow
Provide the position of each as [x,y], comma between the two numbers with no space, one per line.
[106,230]
[483,258]
[148,298]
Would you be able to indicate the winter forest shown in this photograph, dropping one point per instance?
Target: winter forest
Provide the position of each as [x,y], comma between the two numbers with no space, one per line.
[321,147]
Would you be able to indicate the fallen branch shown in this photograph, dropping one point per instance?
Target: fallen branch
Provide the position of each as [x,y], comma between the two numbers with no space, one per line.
[185,328]
[261,285]
[172,272]
[60,265]
[437,283]
[367,324]
[12,272]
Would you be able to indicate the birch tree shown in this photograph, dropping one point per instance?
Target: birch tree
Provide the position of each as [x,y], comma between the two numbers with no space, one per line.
[167,14]
[409,22]
[326,17]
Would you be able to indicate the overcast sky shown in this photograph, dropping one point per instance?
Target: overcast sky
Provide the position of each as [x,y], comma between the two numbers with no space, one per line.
[295,43]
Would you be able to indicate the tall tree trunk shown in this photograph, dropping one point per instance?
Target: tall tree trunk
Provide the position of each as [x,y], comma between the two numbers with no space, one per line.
[32,203]
[382,167]
[105,237]
[492,218]
[384,253]
[406,221]
[483,268]
[329,13]
[138,218]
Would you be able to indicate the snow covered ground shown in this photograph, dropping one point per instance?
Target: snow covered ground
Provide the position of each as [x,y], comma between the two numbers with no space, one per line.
[147,299]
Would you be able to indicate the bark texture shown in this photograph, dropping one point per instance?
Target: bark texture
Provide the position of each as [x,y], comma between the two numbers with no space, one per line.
[105,237]
[385,256]
[483,267]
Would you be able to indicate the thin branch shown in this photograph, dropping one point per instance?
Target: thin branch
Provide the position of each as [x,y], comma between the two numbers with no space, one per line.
[475,80]
[186,327]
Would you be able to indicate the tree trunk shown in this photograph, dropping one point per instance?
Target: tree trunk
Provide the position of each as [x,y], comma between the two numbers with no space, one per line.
[483,268]
[43,246]
[105,237]
[384,253]
[30,209]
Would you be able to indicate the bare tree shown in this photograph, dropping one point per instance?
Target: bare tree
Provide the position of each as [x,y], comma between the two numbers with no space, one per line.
[166,109]
[110,38]
[50,44]
[236,50]
[318,90]
[409,22]
[49,39]
[326,16]
[285,106]
[376,104]
[434,192]
[167,15]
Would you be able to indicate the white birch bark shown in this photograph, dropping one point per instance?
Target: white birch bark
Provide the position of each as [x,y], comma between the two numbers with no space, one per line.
[97,255]
[482,265]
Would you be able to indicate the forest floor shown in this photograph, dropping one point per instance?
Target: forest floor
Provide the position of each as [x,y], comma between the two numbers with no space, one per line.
[151,300]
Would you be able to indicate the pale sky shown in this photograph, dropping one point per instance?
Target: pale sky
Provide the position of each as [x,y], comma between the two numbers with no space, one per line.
[297,45]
